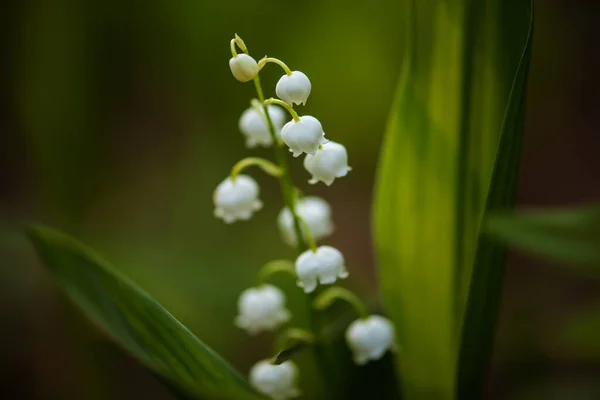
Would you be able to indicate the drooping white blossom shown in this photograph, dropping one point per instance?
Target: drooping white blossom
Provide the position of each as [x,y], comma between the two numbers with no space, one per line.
[261,309]
[325,266]
[236,200]
[279,382]
[370,338]
[330,162]
[255,129]
[243,67]
[315,211]
[294,88]
[303,136]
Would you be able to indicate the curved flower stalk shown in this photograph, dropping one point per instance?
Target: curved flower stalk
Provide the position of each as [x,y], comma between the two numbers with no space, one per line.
[302,221]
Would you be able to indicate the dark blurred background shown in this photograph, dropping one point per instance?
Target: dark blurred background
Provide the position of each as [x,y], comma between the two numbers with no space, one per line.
[118,119]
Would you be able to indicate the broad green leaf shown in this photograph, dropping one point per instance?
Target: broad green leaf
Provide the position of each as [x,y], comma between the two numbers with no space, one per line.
[137,322]
[571,235]
[442,144]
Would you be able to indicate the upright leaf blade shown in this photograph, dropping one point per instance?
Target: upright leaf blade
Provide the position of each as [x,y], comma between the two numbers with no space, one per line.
[436,167]
[137,322]
[479,324]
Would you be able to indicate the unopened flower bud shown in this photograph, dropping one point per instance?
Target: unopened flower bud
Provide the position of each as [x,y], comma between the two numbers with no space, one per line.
[254,127]
[236,199]
[294,88]
[261,309]
[276,381]
[370,338]
[315,211]
[303,136]
[324,266]
[330,162]
[243,67]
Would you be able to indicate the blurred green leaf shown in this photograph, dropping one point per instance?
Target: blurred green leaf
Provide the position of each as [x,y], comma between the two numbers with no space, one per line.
[576,337]
[571,235]
[137,322]
[557,388]
[442,145]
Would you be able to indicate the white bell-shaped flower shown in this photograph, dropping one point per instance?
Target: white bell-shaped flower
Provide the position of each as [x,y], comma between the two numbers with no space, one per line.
[261,309]
[315,211]
[236,199]
[370,338]
[294,88]
[255,129]
[243,67]
[323,266]
[304,136]
[330,162]
[276,381]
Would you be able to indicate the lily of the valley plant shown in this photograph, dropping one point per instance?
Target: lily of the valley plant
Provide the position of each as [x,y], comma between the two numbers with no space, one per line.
[302,222]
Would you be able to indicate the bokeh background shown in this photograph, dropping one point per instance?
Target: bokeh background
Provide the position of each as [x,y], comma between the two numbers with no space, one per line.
[118,119]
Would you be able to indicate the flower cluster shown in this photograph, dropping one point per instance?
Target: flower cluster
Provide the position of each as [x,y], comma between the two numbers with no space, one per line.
[301,222]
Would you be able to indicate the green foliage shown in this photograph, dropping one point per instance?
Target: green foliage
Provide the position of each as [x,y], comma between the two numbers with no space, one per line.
[447,135]
[479,323]
[570,235]
[137,322]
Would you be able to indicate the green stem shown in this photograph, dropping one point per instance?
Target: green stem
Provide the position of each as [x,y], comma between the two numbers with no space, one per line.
[265,60]
[329,296]
[232,45]
[266,165]
[309,236]
[287,186]
[289,196]
[274,267]
[285,105]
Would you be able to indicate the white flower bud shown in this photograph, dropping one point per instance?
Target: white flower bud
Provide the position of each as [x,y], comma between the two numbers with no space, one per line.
[236,200]
[370,338]
[294,88]
[330,162]
[276,381]
[323,266]
[304,136]
[254,127]
[261,309]
[243,67]
[314,211]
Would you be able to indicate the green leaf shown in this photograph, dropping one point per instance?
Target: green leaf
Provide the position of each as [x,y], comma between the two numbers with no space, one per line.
[460,92]
[479,323]
[137,322]
[570,235]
